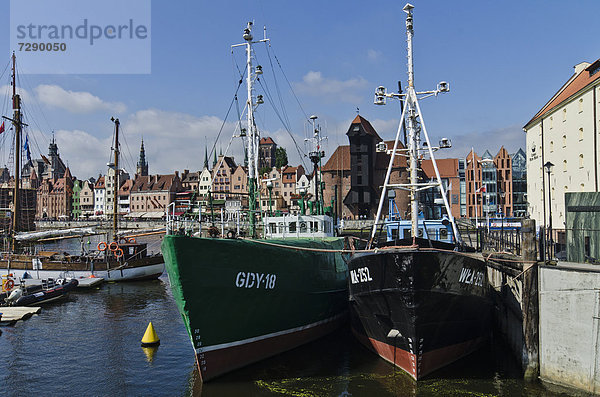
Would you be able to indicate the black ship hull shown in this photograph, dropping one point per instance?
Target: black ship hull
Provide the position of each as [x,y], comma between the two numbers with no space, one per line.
[419,308]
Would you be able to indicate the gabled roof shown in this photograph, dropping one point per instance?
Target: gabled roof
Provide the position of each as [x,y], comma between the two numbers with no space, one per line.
[153,183]
[100,184]
[340,159]
[574,85]
[266,141]
[367,127]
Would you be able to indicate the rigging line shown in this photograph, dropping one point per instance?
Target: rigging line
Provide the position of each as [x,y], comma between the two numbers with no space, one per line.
[130,158]
[277,86]
[286,128]
[214,148]
[25,83]
[289,84]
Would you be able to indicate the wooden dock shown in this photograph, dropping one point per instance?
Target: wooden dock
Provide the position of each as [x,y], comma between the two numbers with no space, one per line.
[11,315]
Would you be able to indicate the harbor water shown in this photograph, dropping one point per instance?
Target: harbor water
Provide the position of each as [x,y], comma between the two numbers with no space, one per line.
[89,345]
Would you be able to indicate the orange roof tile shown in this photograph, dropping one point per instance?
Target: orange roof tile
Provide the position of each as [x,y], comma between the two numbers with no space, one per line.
[448,168]
[570,88]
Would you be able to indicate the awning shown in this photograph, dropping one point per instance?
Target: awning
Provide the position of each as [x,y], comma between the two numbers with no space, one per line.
[135,215]
[153,215]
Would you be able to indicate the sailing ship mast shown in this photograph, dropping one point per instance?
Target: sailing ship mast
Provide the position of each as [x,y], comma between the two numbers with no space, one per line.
[116,180]
[415,124]
[253,135]
[18,124]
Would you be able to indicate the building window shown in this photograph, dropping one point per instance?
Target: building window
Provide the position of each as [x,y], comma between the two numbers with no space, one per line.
[581,133]
[564,141]
[580,105]
[564,114]
[581,161]
[551,146]
[551,122]
[564,165]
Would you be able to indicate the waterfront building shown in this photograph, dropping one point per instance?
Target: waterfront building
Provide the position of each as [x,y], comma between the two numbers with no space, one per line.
[55,197]
[356,173]
[239,184]
[190,180]
[221,175]
[267,149]
[564,132]
[151,195]
[519,184]
[76,211]
[99,196]
[204,182]
[489,184]
[278,203]
[432,198]
[289,178]
[113,185]
[86,198]
[124,197]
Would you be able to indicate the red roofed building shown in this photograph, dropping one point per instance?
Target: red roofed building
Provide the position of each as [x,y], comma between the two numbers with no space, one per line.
[151,195]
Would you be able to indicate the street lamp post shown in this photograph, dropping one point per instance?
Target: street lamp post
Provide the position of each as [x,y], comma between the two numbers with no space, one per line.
[548,166]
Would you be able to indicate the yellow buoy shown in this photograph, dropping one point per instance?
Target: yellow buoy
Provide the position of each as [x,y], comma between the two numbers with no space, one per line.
[150,338]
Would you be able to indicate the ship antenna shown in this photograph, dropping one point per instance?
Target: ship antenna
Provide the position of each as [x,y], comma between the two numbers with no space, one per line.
[415,123]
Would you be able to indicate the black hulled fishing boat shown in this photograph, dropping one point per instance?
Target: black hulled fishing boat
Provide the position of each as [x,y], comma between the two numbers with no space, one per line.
[420,300]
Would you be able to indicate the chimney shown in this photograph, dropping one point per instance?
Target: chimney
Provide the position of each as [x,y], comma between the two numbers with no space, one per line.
[580,67]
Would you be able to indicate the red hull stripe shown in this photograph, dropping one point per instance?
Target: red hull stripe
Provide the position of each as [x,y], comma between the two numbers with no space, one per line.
[214,363]
[418,366]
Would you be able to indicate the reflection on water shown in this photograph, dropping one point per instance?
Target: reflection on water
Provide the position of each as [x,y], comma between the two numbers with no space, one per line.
[90,345]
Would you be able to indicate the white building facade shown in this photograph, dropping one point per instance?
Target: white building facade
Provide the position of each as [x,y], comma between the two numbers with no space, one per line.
[565,133]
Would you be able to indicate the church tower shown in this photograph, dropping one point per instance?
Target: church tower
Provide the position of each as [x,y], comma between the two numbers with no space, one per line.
[142,165]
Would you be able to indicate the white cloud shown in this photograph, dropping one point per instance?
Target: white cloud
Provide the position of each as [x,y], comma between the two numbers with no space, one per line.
[176,141]
[374,55]
[511,137]
[314,84]
[85,154]
[75,101]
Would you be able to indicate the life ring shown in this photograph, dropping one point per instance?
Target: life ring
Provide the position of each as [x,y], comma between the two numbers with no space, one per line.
[113,246]
[9,284]
[119,252]
[131,240]
[231,234]
[102,246]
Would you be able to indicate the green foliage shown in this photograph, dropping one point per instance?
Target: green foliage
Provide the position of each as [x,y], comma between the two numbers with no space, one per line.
[281,158]
[264,170]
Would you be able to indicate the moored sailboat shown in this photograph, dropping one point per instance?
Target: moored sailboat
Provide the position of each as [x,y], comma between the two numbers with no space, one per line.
[243,300]
[120,260]
[420,301]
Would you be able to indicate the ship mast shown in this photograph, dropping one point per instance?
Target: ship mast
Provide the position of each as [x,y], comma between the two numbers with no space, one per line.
[116,179]
[18,124]
[315,155]
[415,124]
[253,135]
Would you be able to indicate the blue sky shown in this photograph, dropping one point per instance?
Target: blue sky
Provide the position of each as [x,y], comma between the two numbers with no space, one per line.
[503,61]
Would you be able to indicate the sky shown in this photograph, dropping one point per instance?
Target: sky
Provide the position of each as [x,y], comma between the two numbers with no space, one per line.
[503,61]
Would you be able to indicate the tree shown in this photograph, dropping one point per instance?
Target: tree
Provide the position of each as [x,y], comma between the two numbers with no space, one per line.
[281,159]
[264,170]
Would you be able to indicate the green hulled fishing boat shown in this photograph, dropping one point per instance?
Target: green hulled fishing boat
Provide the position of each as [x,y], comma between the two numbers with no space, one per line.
[243,300]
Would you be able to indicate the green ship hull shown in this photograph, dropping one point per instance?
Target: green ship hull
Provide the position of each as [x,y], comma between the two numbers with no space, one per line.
[245,300]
